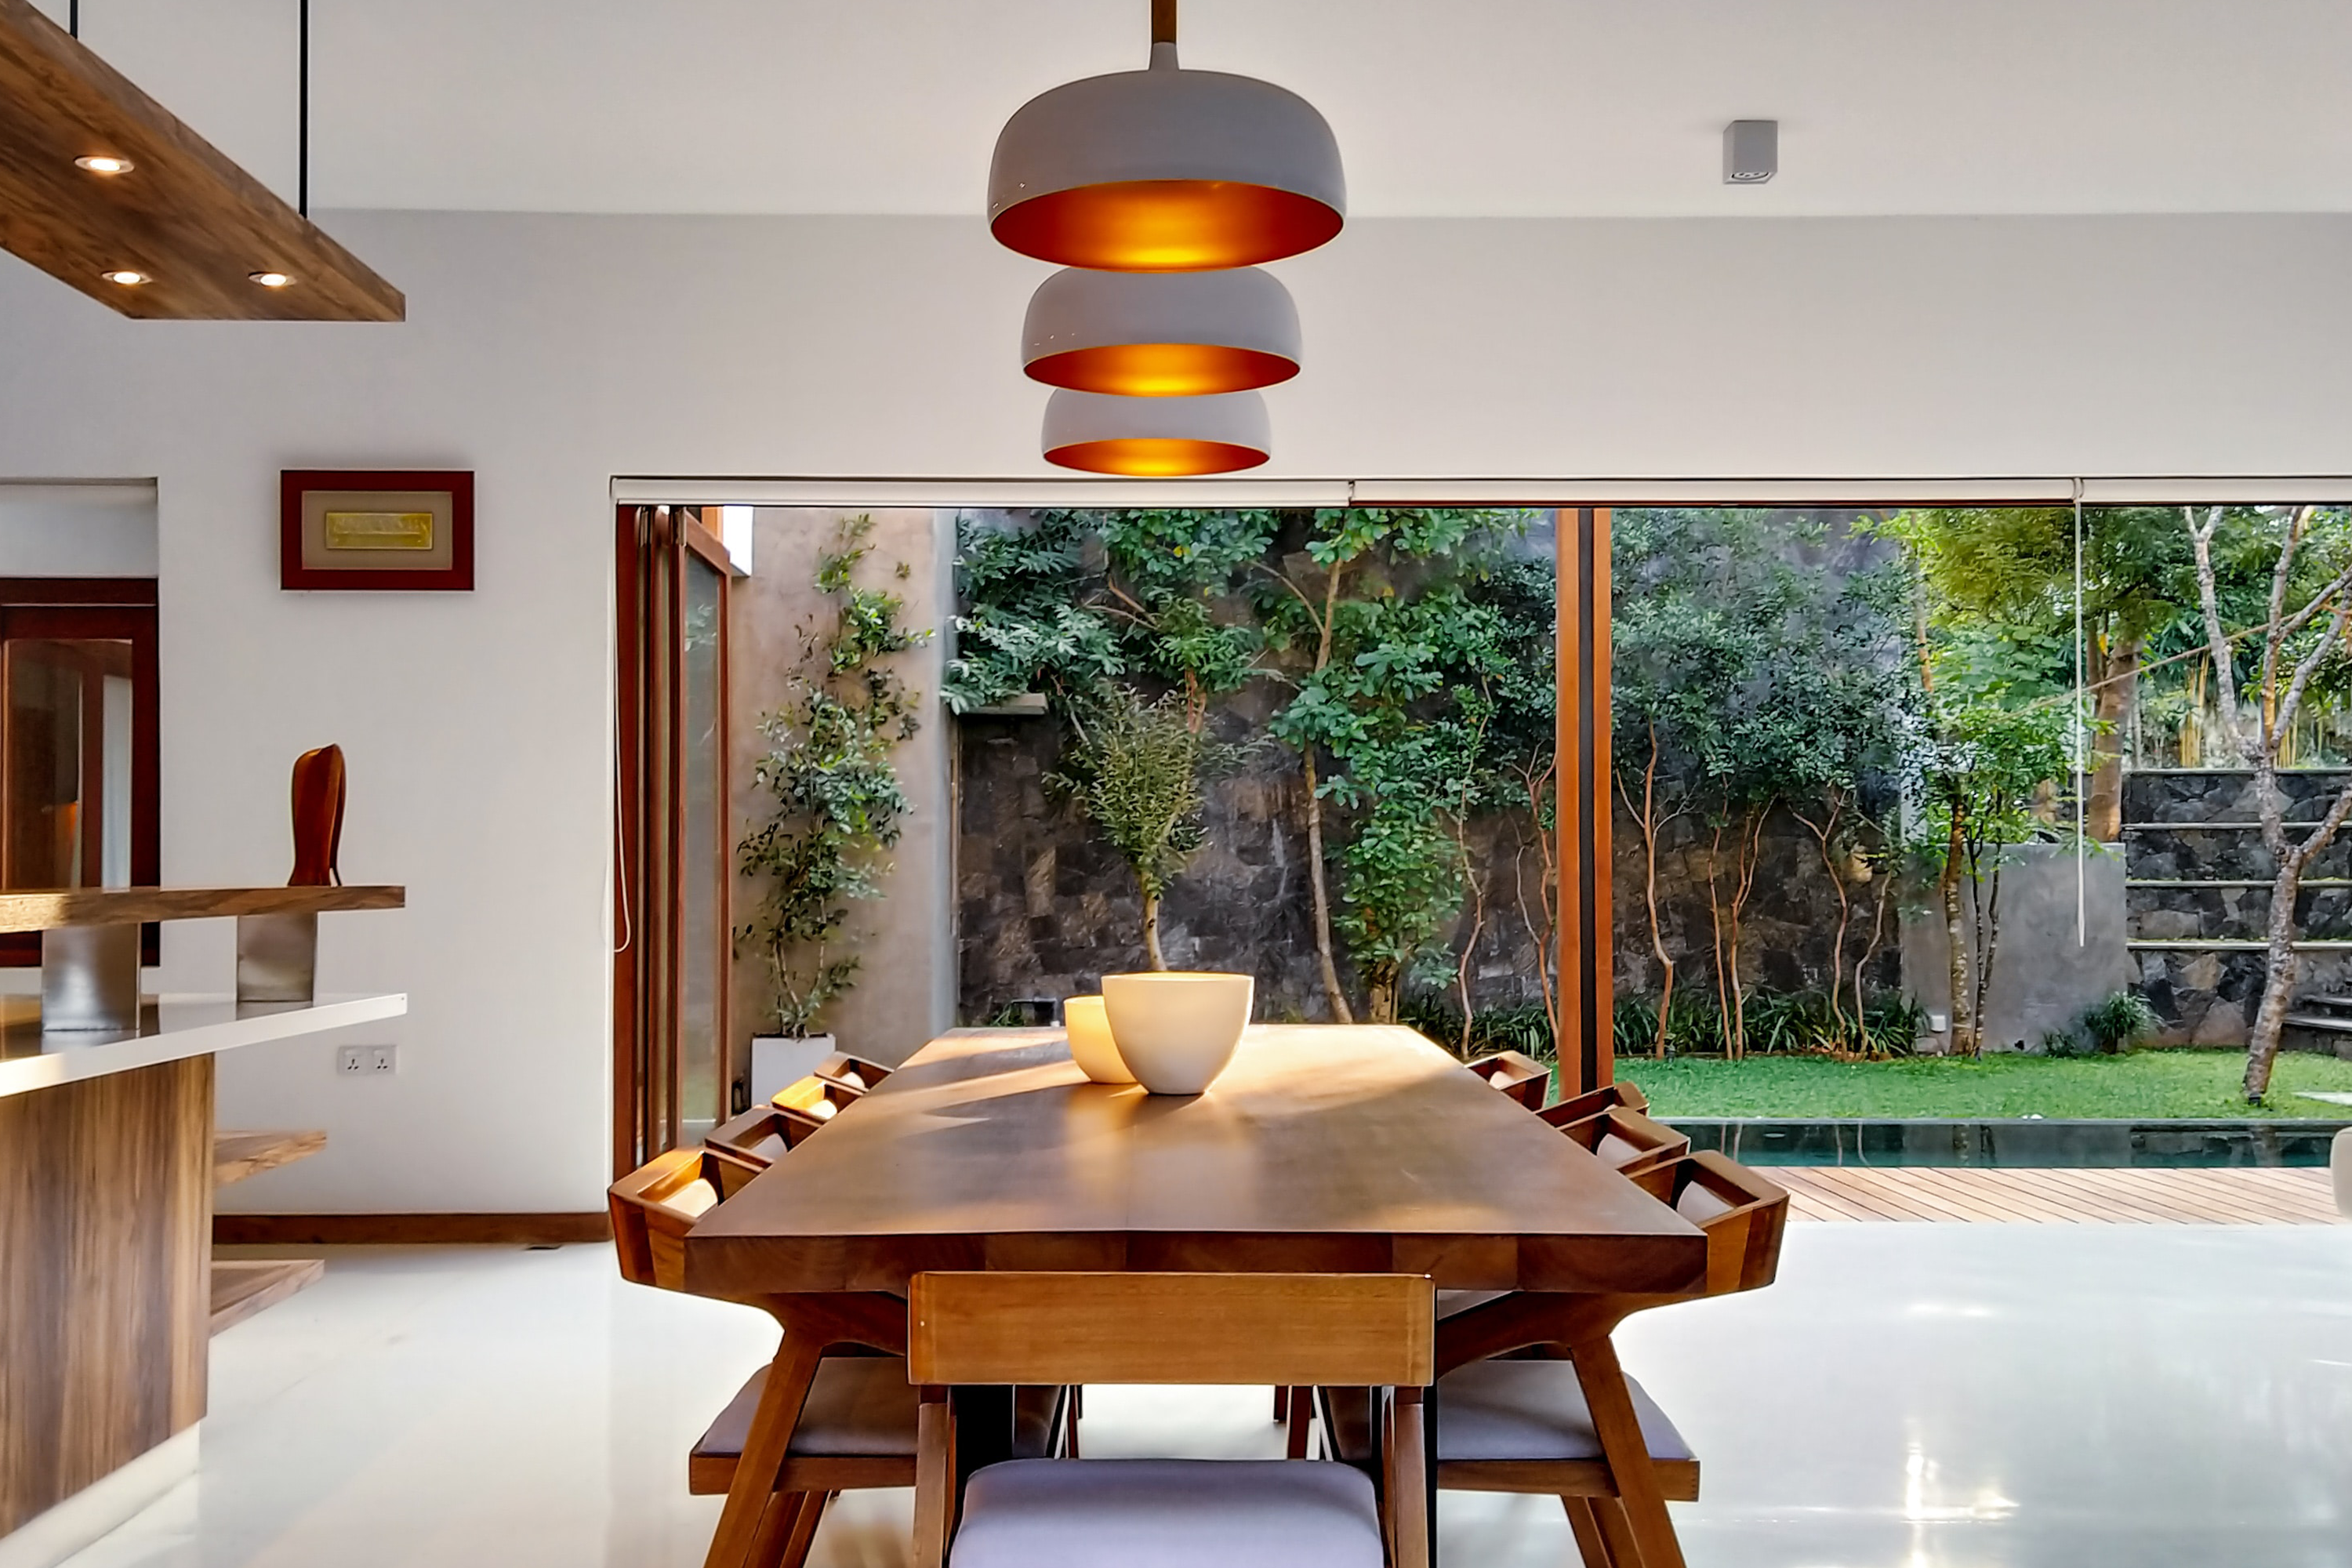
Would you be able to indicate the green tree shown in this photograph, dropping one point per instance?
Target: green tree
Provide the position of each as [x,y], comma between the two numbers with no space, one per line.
[1980,767]
[1134,769]
[838,803]
[1320,607]
[2303,626]
[2003,579]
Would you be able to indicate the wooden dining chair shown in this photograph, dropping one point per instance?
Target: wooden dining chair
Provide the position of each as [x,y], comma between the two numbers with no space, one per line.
[1620,1094]
[1626,1140]
[1518,1075]
[748,1144]
[1368,1331]
[1514,1425]
[807,1104]
[853,1073]
[857,1419]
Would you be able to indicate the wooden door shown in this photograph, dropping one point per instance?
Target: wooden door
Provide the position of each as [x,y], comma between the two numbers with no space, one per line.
[672,920]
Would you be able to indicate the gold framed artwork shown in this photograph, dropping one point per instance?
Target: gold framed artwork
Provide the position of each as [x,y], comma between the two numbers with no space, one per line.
[394,530]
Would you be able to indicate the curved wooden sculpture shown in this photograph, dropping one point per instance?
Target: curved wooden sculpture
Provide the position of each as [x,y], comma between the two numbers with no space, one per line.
[318,817]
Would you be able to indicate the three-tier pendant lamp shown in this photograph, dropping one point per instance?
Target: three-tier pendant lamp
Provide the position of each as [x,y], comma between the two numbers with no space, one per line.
[1159,191]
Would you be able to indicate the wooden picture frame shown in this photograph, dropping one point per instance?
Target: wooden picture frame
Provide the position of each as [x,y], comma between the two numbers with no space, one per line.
[382,530]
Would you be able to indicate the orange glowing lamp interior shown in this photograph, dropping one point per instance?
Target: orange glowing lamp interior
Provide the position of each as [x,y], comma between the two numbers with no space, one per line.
[1163,370]
[1166,225]
[1156,457]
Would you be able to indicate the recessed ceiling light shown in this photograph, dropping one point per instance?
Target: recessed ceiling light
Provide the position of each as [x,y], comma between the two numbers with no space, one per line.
[105,163]
[272,279]
[125,277]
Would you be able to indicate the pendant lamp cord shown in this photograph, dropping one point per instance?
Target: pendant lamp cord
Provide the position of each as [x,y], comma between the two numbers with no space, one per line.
[302,156]
[1163,21]
[2082,869]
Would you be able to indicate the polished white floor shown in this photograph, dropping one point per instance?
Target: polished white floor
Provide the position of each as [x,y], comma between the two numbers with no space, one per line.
[1907,1396]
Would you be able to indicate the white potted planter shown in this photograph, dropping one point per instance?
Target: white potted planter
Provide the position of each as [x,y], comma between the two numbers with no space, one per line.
[1085,1022]
[780,1059]
[1175,1029]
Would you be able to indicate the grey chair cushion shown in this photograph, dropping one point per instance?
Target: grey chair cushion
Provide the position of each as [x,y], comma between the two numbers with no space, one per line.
[858,1407]
[1534,1410]
[1168,1513]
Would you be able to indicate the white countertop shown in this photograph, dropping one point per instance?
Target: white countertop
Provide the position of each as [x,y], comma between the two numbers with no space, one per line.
[170,1028]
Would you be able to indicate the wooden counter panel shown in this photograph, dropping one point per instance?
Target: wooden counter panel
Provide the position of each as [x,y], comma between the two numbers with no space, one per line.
[105,1200]
[47,909]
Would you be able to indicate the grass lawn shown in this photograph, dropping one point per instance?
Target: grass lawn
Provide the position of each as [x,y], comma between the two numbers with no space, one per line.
[2145,1086]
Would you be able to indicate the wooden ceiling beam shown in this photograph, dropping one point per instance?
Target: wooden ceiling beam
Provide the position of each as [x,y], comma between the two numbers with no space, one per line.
[195,223]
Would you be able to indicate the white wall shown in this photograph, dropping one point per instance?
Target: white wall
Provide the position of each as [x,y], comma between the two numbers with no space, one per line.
[549,353]
[76,530]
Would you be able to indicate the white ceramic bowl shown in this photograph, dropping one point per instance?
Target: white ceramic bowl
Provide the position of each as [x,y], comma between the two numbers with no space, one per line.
[1176,1030]
[1090,1043]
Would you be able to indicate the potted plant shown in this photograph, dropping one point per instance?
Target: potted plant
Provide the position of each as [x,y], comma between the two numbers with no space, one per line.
[838,807]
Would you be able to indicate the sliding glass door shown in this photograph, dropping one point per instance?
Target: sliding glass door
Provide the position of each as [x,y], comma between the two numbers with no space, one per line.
[671,918]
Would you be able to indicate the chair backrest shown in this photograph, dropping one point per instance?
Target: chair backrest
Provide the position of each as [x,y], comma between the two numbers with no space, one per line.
[1620,1095]
[853,1073]
[1742,1214]
[1293,1330]
[654,1206]
[1628,1142]
[808,1104]
[748,1144]
[1518,1075]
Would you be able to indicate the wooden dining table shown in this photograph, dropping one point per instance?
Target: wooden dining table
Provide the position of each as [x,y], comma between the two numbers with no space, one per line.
[1322,1148]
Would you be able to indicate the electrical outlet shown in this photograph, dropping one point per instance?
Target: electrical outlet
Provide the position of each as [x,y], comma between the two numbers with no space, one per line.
[384,1059]
[367,1061]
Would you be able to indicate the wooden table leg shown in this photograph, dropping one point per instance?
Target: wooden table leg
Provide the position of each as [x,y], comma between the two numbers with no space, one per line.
[789,1377]
[1620,1431]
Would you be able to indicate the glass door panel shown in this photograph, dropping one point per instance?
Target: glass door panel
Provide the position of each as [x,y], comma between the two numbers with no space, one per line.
[65,763]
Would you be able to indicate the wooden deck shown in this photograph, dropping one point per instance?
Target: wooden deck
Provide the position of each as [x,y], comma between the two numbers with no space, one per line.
[1973,1194]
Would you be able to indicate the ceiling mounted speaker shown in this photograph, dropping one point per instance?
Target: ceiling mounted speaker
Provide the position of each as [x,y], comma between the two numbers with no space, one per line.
[1157,438]
[1161,334]
[1166,170]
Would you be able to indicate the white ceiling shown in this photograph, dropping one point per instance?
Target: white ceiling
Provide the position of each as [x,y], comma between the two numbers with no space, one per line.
[1460,108]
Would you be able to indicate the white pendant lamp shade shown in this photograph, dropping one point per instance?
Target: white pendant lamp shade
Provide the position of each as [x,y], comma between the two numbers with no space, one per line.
[1161,334]
[1157,438]
[1166,170]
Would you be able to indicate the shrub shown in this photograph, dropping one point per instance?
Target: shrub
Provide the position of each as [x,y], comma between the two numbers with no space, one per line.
[1524,1027]
[2119,1023]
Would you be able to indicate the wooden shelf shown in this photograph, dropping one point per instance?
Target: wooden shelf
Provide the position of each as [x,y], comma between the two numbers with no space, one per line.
[236,1155]
[47,909]
[243,1286]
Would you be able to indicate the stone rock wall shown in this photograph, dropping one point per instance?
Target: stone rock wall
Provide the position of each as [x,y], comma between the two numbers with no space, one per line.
[2179,829]
[1045,910]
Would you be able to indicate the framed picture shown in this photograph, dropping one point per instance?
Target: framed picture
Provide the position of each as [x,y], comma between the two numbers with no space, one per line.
[402,529]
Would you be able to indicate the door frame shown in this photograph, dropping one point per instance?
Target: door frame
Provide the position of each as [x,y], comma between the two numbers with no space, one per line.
[651,544]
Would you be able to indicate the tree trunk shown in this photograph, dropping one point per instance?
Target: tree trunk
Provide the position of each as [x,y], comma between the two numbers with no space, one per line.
[2117,703]
[1750,843]
[1956,936]
[2278,981]
[1988,949]
[1335,997]
[1478,928]
[1646,817]
[1151,932]
[1380,988]
[1715,920]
